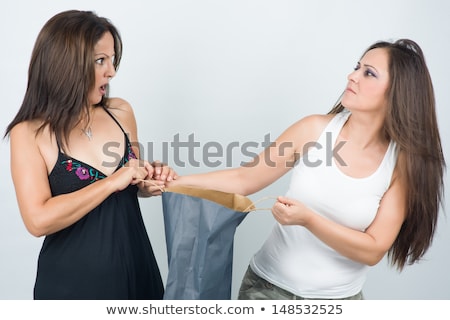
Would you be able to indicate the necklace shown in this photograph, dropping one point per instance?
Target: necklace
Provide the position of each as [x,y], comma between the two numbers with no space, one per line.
[88,133]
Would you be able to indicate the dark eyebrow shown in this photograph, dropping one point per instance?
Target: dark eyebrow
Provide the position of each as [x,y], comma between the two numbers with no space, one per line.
[104,54]
[370,66]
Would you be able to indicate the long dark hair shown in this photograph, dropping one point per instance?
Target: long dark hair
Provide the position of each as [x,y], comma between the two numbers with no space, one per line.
[61,71]
[411,122]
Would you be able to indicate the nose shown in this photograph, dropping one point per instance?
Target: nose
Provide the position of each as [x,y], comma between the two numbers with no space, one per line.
[353,76]
[111,70]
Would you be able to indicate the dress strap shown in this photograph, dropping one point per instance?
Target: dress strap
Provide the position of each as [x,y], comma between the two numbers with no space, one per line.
[336,124]
[333,128]
[114,118]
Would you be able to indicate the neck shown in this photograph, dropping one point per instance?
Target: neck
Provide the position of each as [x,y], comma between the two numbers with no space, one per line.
[86,116]
[364,130]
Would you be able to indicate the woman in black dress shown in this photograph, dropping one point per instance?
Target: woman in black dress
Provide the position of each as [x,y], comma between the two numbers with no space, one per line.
[76,173]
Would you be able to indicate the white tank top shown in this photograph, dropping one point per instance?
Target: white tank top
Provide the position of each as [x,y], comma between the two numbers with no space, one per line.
[292,257]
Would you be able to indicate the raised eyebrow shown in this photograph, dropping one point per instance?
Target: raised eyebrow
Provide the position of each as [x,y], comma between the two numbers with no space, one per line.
[104,54]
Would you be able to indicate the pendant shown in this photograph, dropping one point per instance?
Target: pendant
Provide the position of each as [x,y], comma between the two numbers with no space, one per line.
[88,133]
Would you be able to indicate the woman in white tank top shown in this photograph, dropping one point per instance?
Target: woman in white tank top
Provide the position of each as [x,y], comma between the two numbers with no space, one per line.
[367,181]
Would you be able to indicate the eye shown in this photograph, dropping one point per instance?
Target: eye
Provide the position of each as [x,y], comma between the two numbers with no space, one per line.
[369,73]
[100,61]
[357,67]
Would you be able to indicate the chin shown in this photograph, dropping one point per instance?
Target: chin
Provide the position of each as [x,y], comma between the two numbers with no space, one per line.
[95,102]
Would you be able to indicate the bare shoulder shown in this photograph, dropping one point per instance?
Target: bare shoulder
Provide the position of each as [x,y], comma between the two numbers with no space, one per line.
[122,110]
[311,126]
[31,143]
[120,105]
[26,130]
[316,121]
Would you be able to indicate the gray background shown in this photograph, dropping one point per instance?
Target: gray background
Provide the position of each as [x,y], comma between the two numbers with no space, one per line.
[229,72]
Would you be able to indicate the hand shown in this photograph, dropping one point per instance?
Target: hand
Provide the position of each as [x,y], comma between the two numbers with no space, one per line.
[133,172]
[158,175]
[150,188]
[163,172]
[290,212]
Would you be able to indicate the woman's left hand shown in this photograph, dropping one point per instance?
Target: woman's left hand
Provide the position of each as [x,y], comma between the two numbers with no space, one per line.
[155,182]
[162,172]
[290,212]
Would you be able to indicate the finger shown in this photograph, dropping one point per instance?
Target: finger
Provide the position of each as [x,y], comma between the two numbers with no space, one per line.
[280,212]
[171,175]
[136,181]
[157,165]
[286,201]
[149,168]
[140,183]
[156,190]
[152,185]
[278,207]
[166,173]
[276,211]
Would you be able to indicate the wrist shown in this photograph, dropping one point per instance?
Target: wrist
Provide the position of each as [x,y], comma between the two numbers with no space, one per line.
[309,218]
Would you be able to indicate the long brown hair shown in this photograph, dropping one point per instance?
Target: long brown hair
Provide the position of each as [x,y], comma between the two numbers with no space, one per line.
[61,71]
[411,122]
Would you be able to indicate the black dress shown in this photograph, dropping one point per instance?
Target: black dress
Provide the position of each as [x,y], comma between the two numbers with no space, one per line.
[106,254]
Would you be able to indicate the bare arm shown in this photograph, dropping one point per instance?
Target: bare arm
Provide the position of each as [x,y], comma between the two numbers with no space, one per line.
[275,161]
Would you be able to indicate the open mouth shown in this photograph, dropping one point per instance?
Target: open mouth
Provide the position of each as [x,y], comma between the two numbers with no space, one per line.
[103,89]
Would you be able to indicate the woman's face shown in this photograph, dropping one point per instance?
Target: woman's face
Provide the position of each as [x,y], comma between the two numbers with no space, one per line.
[104,67]
[368,84]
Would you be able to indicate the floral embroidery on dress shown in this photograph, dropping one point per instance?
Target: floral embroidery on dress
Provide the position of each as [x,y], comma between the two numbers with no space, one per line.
[92,174]
[130,155]
[82,173]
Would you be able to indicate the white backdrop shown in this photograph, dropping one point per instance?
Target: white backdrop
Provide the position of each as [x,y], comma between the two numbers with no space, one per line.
[230,71]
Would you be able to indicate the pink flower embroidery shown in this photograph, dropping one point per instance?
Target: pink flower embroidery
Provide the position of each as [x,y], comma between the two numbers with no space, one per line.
[82,173]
